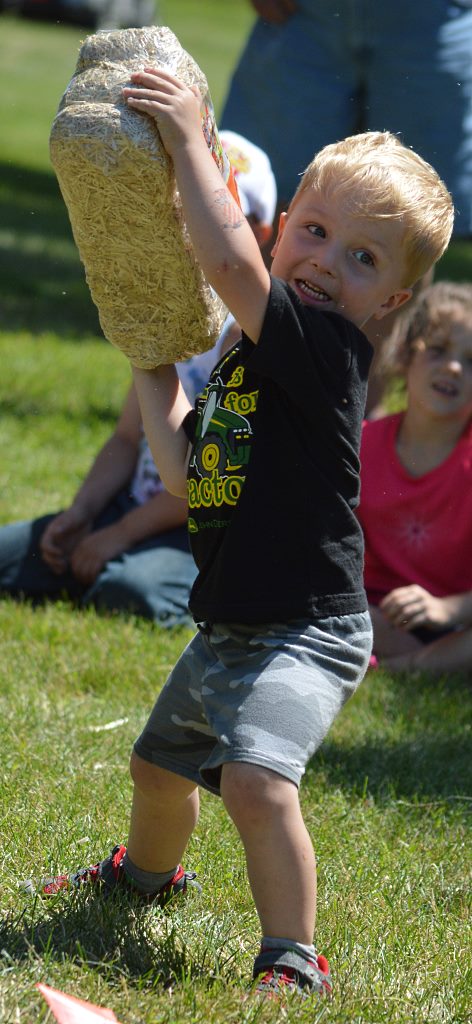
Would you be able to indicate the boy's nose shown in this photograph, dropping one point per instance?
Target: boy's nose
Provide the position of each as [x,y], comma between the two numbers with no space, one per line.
[324,260]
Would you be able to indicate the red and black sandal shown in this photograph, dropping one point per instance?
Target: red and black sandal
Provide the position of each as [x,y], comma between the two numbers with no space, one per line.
[280,972]
[110,874]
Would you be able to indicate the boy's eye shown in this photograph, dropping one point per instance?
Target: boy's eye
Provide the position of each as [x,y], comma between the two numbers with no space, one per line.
[316,229]
[362,256]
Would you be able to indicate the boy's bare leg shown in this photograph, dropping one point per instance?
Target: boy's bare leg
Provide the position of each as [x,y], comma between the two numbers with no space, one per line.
[163,816]
[451,653]
[280,859]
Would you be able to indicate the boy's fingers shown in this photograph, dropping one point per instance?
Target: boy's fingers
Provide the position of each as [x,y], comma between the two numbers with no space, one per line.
[151,95]
[157,79]
[141,95]
[161,73]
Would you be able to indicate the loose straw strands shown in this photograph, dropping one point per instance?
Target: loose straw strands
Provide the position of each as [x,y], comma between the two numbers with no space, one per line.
[118,184]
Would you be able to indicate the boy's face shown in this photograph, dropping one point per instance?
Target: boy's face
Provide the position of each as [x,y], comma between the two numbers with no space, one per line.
[340,262]
[439,376]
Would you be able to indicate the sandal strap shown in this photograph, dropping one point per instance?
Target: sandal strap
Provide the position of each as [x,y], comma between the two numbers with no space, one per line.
[307,973]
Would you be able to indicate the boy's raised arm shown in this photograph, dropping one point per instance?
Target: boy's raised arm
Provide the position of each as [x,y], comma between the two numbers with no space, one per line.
[164,406]
[223,241]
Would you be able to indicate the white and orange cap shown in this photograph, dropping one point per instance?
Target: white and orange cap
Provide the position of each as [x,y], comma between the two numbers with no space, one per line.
[254,176]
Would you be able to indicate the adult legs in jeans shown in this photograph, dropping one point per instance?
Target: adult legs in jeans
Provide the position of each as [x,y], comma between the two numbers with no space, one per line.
[152,580]
[23,573]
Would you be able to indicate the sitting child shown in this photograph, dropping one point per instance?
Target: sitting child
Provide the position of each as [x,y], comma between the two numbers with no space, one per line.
[416,494]
[122,545]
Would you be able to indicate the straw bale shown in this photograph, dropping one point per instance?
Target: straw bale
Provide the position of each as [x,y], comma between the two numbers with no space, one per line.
[125,211]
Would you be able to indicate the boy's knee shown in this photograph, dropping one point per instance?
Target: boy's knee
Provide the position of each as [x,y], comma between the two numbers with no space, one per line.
[151,780]
[142,772]
[250,791]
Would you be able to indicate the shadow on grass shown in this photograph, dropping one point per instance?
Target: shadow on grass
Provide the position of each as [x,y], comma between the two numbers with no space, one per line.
[425,751]
[22,407]
[427,766]
[42,282]
[112,936]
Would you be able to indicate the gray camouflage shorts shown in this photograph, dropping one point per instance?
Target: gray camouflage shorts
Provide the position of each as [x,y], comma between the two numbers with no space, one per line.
[265,695]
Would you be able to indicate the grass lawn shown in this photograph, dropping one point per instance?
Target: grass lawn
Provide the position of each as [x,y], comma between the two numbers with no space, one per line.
[388,798]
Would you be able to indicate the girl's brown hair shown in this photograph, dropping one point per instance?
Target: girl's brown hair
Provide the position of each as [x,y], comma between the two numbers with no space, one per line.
[432,311]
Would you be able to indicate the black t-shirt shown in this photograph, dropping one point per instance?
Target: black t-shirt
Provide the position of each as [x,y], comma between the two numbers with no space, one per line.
[274,471]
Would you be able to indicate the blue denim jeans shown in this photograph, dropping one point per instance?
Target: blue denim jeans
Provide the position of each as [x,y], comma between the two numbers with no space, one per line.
[152,579]
[333,69]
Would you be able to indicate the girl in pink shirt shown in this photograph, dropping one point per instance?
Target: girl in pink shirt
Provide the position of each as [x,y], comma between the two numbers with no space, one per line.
[416,494]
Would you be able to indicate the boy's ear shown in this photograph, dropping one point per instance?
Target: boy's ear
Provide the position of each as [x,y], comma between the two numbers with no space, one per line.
[282,223]
[394,302]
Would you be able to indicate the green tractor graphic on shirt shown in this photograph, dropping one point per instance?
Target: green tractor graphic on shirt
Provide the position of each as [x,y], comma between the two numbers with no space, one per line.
[225,439]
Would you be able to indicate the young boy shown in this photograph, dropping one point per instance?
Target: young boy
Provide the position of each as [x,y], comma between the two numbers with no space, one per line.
[271,457]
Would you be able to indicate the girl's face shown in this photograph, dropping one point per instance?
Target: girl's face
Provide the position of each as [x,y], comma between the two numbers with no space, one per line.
[439,377]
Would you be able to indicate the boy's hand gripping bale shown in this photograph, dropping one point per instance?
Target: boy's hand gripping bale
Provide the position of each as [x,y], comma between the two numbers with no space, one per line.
[125,211]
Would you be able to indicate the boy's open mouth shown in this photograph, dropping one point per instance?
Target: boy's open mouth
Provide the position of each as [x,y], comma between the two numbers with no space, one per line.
[312,291]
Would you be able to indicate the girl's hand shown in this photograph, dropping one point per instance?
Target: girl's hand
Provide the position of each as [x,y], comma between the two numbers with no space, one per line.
[412,606]
[174,106]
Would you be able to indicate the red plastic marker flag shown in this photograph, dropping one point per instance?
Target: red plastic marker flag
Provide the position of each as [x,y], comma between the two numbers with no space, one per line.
[69,1010]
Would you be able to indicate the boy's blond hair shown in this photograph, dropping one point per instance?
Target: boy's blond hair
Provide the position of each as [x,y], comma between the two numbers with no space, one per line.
[381,177]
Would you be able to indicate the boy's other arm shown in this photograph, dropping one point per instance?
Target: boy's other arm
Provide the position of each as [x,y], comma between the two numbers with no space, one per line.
[223,241]
[164,405]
